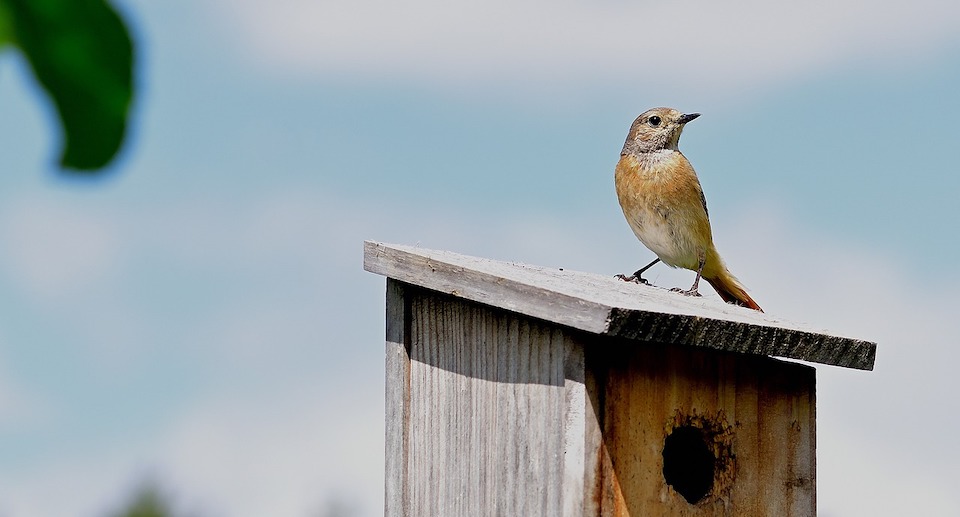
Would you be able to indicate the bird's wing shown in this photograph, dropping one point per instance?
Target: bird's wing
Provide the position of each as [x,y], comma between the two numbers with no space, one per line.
[703,200]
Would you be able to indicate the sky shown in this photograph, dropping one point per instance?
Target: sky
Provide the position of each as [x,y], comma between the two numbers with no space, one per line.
[199,317]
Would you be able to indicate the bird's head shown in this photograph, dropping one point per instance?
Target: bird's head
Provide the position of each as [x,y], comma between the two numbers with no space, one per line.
[656,129]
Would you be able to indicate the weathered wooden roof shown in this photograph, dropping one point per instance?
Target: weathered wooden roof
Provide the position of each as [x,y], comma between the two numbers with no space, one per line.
[602,304]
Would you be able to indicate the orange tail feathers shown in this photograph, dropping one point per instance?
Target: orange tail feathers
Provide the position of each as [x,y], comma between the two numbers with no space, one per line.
[732,291]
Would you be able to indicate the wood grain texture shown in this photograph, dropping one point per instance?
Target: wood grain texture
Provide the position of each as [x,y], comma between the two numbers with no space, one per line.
[493,414]
[396,405]
[603,305]
[760,412]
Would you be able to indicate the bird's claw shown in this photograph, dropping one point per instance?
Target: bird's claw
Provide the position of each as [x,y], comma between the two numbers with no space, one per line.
[632,278]
[686,292]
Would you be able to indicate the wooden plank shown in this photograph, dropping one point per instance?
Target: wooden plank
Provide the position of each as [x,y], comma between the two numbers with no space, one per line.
[396,407]
[472,278]
[496,409]
[603,305]
[757,414]
[574,429]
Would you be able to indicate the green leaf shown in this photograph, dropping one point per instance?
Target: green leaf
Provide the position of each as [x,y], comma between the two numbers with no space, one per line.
[82,55]
[6,31]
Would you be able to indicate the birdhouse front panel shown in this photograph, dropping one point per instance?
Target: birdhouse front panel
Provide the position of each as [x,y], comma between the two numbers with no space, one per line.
[688,432]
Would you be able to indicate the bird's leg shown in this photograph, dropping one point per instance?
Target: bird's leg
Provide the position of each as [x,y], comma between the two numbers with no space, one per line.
[696,281]
[637,275]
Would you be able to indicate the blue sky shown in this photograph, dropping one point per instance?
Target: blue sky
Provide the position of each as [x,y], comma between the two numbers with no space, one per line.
[200,315]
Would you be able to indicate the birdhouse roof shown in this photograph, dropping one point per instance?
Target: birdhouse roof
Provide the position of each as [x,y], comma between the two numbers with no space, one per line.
[604,305]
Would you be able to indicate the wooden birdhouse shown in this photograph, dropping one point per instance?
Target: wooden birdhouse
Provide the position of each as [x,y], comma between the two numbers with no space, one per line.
[515,390]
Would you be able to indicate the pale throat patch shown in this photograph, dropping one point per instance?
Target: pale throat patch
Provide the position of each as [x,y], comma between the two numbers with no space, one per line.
[658,156]
[652,163]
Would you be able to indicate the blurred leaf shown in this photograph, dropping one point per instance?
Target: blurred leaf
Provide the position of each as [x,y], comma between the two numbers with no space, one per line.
[6,32]
[81,53]
[147,502]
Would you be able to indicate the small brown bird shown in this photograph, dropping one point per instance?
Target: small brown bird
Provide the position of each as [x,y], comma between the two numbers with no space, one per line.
[662,200]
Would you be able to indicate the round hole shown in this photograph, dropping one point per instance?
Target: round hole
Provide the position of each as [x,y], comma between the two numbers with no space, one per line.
[688,463]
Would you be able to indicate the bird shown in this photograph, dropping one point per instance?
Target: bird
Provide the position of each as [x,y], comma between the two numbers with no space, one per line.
[663,203]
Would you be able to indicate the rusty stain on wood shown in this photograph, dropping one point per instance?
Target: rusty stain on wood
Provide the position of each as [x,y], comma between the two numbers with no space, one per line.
[760,425]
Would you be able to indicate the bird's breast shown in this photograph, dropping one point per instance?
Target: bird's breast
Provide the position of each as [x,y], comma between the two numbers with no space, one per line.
[660,197]
[649,186]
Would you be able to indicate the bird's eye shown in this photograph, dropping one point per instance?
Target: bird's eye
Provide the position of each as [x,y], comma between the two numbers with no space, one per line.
[654,121]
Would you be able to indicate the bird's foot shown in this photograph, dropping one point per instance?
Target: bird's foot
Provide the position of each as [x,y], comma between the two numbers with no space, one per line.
[686,292]
[635,278]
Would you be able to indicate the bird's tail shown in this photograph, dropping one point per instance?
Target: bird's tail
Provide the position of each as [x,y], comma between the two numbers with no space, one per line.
[731,290]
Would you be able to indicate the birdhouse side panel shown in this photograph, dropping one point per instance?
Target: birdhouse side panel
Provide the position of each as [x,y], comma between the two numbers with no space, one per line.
[494,408]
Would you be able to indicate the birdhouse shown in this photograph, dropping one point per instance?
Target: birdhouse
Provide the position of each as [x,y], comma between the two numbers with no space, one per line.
[520,390]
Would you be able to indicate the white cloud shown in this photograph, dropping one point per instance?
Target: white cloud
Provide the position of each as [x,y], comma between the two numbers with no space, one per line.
[28,492]
[68,261]
[54,250]
[282,452]
[289,450]
[20,409]
[857,476]
[541,45]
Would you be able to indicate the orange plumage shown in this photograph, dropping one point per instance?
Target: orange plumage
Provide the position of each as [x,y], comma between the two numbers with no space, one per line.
[664,204]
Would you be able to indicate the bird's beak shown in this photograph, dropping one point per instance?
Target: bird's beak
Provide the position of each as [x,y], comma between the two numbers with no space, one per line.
[688,117]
